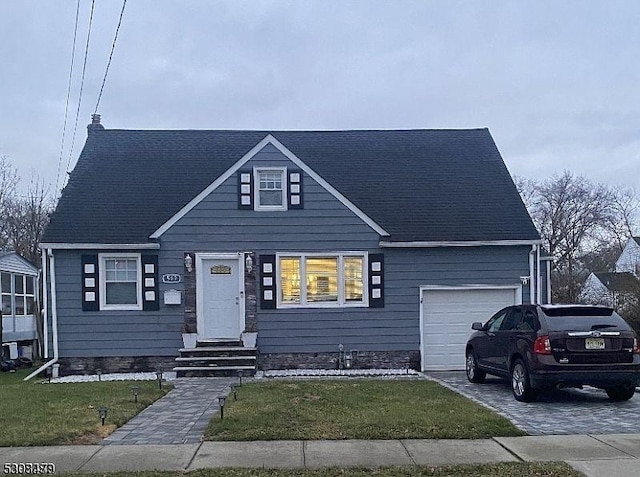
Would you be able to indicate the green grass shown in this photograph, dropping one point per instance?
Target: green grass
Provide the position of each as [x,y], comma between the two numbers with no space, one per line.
[512,469]
[33,413]
[358,409]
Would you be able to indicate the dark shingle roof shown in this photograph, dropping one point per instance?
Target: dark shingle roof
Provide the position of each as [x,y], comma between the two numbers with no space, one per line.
[619,281]
[419,185]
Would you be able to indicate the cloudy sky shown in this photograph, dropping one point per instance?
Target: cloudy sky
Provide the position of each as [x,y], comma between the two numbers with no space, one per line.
[557,83]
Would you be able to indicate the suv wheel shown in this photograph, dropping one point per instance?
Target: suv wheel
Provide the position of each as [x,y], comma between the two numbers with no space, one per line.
[621,393]
[474,375]
[520,384]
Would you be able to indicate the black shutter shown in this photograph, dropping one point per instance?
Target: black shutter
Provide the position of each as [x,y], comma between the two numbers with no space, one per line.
[295,196]
[150,299]
[245,189]
[268,282]
[376,280]
[90,283]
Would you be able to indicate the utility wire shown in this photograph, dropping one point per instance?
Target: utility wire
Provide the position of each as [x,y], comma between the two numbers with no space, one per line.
[113,47]
[66,107]
[84,68]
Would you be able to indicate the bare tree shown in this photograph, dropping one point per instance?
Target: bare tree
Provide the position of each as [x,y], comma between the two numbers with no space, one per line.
[8,182]
[576,218]
[27,218]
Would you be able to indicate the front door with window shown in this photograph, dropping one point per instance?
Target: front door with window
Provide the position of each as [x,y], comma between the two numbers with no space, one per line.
[220,299]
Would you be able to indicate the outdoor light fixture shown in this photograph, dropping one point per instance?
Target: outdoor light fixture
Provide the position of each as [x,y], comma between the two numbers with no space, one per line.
[524,280]
[188,263]
[234,390]
[102,412]
[221,400]
[240,378]
[134,391]
[248,263]
[99,373]
[159,372]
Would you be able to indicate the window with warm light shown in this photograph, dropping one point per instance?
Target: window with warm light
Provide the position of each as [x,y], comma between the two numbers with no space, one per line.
[318,280]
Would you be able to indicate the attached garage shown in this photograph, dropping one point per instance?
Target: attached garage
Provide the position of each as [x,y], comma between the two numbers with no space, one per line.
[446,317]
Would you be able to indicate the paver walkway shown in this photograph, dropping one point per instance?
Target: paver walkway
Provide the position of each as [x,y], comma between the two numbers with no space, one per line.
[180,417]
[570,411]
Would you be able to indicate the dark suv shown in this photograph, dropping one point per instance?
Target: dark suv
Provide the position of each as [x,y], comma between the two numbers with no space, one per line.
[543,346]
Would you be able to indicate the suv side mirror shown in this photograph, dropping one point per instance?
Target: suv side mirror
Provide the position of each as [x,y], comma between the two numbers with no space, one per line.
[477,326]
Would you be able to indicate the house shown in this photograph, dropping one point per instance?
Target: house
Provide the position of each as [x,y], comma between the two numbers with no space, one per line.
[619,289]
[379,245]
[19,285]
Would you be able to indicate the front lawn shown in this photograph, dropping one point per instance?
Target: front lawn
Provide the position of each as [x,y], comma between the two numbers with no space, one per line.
[354,409]
[33,413]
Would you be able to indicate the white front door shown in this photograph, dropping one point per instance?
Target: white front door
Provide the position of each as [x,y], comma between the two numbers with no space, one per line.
[220,298]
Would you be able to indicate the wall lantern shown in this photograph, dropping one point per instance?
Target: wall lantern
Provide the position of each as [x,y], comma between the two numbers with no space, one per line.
[248,263]
[524,280]
[188,263]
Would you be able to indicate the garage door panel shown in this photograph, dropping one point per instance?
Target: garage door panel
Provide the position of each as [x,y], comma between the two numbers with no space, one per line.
[447,317]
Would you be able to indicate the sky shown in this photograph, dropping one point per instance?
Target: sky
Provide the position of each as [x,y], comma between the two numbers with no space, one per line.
[556,83]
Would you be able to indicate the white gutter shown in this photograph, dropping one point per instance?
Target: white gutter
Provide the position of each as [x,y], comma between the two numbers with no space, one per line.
[538,277]
[45,304]
[531,275]
[101,246]
[462,243]
[54,318]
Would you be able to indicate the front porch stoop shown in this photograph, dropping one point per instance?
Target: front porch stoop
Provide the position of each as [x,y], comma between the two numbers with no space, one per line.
[216,358]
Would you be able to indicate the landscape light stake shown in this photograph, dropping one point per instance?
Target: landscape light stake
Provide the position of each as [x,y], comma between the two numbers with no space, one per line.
[134,391]
[240,377]
[221,400]
[102,412]
[234,390]
[159,376]
[99,373]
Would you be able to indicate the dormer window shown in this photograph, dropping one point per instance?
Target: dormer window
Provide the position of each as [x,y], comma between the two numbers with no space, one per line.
[271,189]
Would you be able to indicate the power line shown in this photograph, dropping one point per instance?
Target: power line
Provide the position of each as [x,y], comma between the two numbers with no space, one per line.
[113,47]
[66,107]
[84,68]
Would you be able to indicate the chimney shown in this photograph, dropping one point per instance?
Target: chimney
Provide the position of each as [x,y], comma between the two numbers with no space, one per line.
[95,123]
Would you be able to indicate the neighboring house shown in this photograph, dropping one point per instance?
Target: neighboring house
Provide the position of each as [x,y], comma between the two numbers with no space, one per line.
[385,244]
[19,290]
[619,289]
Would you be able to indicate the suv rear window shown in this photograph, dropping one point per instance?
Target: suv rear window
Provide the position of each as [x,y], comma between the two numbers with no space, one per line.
[583,319]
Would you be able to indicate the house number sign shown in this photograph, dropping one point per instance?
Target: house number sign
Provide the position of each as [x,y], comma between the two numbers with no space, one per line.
[171,278]
[220,270]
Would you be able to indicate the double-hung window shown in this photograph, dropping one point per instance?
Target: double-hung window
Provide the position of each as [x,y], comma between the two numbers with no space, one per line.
[270,189]
[120,282]
[322,280]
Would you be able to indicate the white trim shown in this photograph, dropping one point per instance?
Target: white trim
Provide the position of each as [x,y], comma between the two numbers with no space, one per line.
[461,243]
[548,262]
[256,189]
[538,277]
[269,139]
[45,305]
[516,288]
[100,246]
[303,272]
[103,284]
[200,257]
[532,276]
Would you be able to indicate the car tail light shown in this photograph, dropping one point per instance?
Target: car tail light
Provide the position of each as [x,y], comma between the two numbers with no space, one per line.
[542,345]
[636,348]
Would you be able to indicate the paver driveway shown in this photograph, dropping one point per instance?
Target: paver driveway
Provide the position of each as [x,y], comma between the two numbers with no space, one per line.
[570,411]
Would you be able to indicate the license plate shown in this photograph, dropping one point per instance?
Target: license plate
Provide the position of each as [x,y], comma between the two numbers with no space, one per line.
[594,343]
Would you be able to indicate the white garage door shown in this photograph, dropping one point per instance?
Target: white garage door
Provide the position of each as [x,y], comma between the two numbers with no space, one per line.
[447,315]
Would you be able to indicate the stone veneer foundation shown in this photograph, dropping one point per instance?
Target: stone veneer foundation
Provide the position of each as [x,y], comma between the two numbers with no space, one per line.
[115,364]
[364,360]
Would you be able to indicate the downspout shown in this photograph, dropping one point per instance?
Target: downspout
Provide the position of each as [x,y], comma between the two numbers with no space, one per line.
[54,318]
[532,284]
[548,281]
[45,305]
[538,277]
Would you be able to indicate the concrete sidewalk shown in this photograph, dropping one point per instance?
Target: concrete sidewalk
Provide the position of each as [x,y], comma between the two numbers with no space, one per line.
[594,455]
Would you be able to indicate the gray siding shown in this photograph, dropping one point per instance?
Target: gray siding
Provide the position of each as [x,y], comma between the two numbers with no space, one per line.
[325,224]
[107,333]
